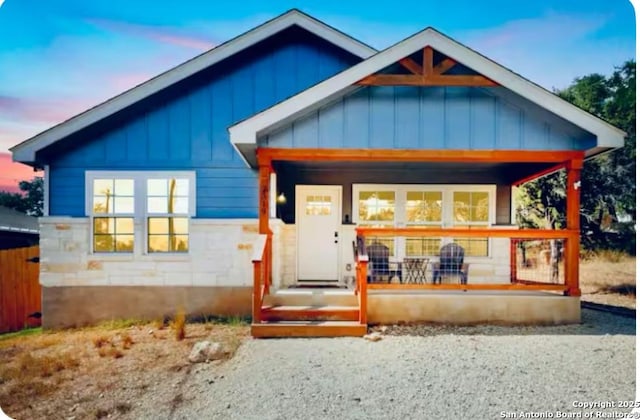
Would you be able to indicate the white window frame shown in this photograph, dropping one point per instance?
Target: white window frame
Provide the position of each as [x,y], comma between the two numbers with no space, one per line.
[140,215]
[447,205]
[492,212]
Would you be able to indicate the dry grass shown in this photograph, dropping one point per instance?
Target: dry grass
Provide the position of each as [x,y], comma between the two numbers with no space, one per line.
[101,340]
[110,351]
[101,370]
[127,341]
[29,366]
[160,324]
[609,278]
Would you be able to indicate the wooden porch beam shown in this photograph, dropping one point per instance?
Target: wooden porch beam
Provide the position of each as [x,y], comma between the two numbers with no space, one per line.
[411,65]
[425,80]
[267,155]
[469,233]
[539,174]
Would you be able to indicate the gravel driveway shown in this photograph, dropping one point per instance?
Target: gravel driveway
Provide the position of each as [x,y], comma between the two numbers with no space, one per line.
[437,373]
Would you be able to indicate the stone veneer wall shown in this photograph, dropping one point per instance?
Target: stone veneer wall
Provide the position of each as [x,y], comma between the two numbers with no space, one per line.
[220,253]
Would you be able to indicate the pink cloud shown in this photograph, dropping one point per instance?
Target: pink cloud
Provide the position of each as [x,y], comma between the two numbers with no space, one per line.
[11,173]
[156,33]
[553,27]
[41,110]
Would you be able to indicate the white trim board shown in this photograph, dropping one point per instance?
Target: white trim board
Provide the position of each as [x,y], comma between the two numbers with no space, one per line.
[26,151]
[248,131]
[45,192]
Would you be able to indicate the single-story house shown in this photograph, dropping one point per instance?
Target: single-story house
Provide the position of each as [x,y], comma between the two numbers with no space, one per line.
[253,178]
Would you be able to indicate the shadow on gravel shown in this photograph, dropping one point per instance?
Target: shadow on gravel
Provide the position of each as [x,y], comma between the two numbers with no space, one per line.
[593,323]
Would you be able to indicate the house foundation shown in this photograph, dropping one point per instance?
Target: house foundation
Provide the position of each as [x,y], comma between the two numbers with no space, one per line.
[472,307]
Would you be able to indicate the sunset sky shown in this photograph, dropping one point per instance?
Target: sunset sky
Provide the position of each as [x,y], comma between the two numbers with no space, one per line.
[58,58]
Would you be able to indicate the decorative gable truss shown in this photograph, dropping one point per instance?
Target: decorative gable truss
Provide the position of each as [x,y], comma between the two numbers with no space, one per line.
[426,74]
[427,58]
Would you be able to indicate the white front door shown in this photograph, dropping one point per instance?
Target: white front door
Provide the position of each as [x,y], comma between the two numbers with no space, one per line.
[318,217]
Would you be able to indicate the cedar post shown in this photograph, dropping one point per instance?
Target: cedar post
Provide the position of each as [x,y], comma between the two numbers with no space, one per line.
[572,248]
[263,224]
[257,301]
[362,274]
[263,215]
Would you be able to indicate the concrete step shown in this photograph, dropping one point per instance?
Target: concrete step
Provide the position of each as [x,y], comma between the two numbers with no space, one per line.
[300,313]
[308,329]
[311,297]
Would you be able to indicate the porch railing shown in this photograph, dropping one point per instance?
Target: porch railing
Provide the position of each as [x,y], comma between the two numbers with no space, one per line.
[529,259]
[361,261]
[261,274]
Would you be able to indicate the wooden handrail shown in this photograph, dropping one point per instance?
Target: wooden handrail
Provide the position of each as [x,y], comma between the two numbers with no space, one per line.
[519,285]
[362,288]
[469,232]
[361,260]
[261,273]
[258,248]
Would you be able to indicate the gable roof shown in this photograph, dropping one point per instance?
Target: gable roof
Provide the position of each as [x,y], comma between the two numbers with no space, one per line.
[244,135]
[26,151]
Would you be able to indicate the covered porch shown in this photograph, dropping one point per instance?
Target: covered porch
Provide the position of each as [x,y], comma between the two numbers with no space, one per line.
[502,285]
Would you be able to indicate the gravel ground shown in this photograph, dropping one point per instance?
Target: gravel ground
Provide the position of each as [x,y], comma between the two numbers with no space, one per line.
[420,372]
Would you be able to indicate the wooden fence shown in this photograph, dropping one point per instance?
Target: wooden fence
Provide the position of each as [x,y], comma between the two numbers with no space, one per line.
[20,293]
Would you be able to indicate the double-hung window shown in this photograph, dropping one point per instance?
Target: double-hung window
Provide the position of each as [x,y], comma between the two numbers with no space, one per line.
[423,209]
[471,210]
[113,212]
[377,208]
[138,211]
[168,214]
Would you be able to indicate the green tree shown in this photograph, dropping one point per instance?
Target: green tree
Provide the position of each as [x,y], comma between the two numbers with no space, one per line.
[29,201]
[608,193]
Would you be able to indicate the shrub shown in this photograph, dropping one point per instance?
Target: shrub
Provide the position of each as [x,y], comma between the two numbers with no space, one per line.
[178,325]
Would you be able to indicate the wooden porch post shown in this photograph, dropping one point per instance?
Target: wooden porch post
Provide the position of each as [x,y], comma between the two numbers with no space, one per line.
[572,250]
[265,186]
[265,170]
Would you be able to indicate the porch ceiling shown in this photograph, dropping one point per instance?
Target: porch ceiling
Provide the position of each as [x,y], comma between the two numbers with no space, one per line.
[502,173]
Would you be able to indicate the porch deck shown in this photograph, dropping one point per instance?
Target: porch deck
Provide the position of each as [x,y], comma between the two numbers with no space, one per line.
[456,307]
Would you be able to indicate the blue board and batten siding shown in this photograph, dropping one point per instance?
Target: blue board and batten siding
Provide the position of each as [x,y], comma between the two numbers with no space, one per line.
[186,129]
[453,118]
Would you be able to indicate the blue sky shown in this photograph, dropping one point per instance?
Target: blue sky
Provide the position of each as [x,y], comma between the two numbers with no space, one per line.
[58,58]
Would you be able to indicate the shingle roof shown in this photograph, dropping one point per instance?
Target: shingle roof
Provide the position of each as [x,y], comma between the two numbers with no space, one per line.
[14,221]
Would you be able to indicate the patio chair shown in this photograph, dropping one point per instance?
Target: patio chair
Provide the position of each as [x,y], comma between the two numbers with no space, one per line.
[379,263]
[451,264]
